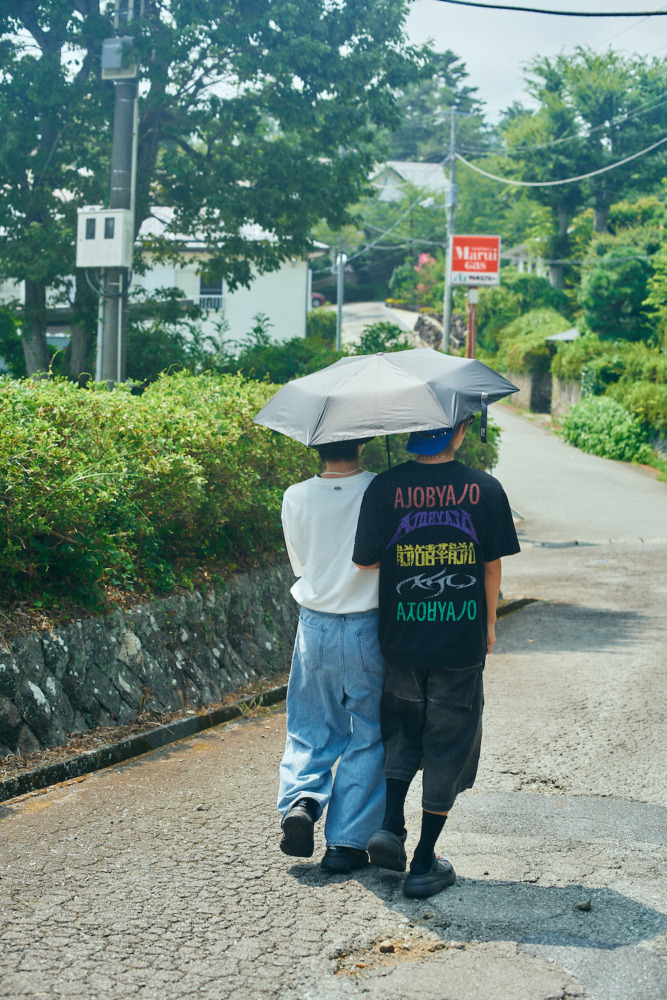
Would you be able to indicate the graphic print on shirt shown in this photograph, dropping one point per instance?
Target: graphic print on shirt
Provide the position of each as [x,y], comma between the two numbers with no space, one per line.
[435,585]
[456,518]
[426,588]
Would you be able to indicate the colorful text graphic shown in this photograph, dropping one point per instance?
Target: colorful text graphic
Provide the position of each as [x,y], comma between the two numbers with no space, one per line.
[451,553]
[434,496]
[459,519]
[435,611]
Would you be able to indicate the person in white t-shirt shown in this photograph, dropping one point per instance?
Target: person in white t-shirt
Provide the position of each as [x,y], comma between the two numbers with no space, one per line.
[335,685]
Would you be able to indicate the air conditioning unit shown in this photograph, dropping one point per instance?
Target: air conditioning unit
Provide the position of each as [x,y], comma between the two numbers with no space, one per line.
[104,237]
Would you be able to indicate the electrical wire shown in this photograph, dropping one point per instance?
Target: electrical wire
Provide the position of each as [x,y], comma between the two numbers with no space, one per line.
[558,13]
[565,180]
[642,109]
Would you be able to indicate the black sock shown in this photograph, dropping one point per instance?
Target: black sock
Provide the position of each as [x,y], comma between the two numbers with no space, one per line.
[432,825]
[313,807]
[394,816]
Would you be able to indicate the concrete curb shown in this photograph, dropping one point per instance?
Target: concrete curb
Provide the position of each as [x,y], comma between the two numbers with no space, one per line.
[134,746]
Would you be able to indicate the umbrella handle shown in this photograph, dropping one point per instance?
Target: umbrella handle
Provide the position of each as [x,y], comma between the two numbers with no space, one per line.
[386,441]
[485,413]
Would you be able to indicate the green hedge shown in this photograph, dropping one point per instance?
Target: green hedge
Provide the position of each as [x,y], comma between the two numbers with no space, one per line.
[523,347]
[605,362]
[601,426]
[112,489]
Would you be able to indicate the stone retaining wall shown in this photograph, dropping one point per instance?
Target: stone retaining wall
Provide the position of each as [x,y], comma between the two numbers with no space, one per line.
[534,391]
[564,394]
[189,649]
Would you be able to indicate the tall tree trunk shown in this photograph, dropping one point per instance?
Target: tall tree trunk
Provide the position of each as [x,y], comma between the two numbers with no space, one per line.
[600,217]
[80,359]
[559,248]
[33,328]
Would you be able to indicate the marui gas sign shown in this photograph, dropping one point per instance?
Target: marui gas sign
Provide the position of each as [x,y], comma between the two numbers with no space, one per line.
[475,260]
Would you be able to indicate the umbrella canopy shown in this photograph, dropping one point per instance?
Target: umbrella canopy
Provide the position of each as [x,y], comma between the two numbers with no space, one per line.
[375,394]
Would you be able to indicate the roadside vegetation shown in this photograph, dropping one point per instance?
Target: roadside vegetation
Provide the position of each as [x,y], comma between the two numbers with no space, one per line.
[105,495]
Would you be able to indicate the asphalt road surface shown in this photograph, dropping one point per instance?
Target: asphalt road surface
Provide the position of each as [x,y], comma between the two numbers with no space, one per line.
[162,878]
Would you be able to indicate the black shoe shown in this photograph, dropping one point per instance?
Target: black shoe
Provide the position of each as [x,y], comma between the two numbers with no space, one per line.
[297,827]
[387,850]
[438,878]
[343,859]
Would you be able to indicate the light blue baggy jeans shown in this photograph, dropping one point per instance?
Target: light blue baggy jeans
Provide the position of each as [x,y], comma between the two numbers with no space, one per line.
[333,714]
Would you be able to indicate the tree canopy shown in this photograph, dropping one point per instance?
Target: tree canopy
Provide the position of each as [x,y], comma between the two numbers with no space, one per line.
[257,118]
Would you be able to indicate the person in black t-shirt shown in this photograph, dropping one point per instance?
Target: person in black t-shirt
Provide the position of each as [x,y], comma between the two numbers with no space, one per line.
[437,529]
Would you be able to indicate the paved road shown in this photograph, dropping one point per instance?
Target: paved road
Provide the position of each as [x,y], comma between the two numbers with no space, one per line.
[162,879]
[566,495]
[357,315]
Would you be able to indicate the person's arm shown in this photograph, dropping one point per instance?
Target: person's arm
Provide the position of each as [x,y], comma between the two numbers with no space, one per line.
[366,543]
[492,574]
[289,545]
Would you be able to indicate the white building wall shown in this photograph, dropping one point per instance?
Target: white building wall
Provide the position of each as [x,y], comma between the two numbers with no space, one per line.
[280,295]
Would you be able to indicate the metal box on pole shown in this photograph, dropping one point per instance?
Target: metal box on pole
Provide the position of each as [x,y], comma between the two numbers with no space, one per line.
[104,237]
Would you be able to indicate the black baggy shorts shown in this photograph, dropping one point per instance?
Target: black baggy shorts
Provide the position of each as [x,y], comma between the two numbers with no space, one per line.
[431,717]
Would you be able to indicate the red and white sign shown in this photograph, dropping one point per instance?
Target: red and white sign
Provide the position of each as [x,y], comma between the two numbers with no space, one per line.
[475,260]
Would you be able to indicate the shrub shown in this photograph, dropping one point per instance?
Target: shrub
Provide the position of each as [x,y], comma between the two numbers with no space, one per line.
[321,323]
[524,347]
[601,426]
[382,336]
[112,489]
[11,348]
[517,295]
[646,401]
[604,363]
[571,358]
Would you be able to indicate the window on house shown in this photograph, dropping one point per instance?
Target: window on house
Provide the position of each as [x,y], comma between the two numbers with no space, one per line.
[210,294]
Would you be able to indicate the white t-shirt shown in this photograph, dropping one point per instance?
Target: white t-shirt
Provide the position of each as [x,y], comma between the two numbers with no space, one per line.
[320,523]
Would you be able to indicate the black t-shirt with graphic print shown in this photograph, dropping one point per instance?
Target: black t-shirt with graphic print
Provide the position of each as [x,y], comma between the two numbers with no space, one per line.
[432,528]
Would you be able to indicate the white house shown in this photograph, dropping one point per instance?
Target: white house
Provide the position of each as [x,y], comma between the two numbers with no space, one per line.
[282,295]
[395,177]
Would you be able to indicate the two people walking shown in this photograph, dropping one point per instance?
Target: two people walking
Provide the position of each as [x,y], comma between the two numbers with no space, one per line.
[398,577]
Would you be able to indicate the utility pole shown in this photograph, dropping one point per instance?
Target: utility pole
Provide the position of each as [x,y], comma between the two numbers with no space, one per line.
[340,291]
[105,236]
[116,284]
[121,195]
[450,203]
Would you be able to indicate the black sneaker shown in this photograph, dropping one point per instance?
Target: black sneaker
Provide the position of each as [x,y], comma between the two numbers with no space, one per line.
[387,850]
[343,860]
[438,878]
[297,827]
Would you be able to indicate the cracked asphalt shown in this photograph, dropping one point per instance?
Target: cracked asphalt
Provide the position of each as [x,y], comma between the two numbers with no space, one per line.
[161,878]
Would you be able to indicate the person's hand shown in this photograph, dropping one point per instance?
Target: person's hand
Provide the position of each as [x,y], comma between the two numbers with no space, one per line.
[490,636]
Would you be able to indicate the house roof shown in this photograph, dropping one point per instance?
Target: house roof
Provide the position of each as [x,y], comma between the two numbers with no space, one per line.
[158,222]
[571,334]
[391,176]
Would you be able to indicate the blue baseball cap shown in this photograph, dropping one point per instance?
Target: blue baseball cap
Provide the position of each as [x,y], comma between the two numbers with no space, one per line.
[430,442]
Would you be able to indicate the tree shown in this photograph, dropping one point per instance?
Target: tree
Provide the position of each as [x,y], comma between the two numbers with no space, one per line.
[592,110]
[426,105]
[260,112]
[613,290]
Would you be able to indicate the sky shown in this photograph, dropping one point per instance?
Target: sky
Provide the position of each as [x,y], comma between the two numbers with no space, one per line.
[494,45]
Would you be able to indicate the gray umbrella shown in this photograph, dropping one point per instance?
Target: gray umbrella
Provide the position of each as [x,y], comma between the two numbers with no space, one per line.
[371,394]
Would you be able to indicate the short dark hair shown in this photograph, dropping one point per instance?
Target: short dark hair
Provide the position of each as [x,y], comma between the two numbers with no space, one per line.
[340,451]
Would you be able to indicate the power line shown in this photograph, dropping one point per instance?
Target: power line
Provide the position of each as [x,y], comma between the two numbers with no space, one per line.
[565,180]
[646,108]
[558,13]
